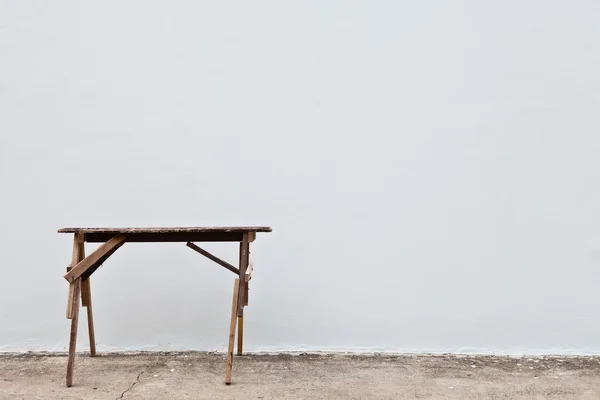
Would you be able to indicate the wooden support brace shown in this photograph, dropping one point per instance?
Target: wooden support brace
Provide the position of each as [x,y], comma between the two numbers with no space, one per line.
[89,264]
[206,254]
[234,306]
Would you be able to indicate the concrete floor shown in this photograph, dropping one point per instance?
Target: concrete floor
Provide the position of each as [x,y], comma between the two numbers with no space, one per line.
[306,376]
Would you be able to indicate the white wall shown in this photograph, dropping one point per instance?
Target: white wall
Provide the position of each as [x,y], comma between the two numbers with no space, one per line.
[431,171]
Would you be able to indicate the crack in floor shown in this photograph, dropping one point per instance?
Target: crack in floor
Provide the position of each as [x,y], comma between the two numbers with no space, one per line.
[137,380]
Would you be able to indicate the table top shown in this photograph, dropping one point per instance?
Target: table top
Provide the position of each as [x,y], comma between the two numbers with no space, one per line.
[197,229]
[174,234]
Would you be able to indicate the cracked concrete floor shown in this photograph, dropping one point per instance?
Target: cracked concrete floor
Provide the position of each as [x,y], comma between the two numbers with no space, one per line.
[195,375]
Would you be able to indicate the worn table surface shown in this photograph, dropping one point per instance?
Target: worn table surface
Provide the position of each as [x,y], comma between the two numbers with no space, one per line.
[173,234]
[169,230]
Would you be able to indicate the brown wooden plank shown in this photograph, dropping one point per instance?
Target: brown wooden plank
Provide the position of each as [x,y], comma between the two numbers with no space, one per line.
[240,341]
[234,305]
[244,257]
[96,258]
[90,317]
[246,287]
[86,301]
[69,313]
[175,229]
[73,335]
[247,277]
[85,294]
[216,259]
[76,256]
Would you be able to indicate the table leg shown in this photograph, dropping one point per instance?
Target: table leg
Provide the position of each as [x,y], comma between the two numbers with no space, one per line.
[86,301]
[77,255]
[234,308]
[240,340]
[242,291]
[70,298]
[73,304]
[73,336]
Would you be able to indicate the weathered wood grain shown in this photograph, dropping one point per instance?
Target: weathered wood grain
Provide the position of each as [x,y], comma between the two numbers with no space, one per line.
[115,231]
[240,341]
[90,315]
[76,256]
[73,334]
[234,305]
[244,258]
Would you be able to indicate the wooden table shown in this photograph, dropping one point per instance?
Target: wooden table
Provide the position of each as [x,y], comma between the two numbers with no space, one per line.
[82,267]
